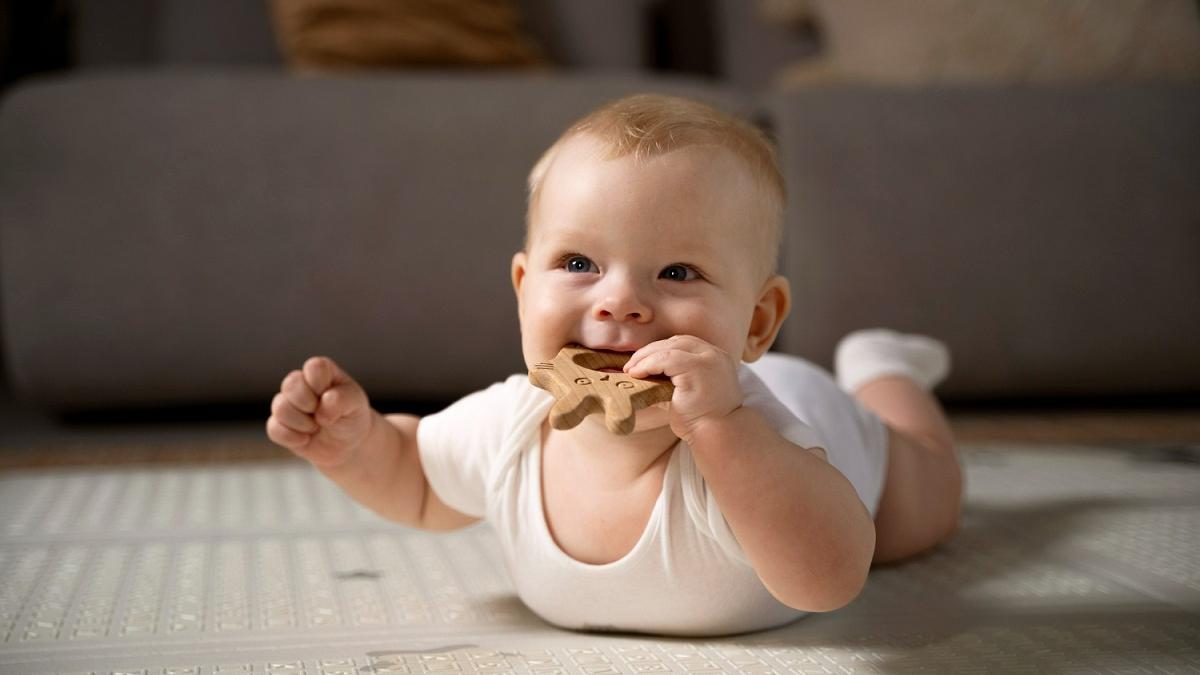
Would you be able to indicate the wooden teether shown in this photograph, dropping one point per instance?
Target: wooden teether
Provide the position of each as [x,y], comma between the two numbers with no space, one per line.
[581,388]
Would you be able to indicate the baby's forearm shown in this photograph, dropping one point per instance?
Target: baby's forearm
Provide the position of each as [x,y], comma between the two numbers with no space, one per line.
[384,473]
[800,522]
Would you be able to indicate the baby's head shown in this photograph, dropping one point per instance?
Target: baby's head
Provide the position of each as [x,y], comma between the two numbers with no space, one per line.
[644,126]
[650,217]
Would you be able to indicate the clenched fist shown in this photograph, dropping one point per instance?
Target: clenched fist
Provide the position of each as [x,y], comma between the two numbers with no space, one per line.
[320,413]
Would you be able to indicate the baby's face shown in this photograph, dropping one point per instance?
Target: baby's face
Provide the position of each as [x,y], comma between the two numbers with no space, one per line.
[623,253]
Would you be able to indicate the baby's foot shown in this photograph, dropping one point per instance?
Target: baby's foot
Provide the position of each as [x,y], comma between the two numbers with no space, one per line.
[865,355]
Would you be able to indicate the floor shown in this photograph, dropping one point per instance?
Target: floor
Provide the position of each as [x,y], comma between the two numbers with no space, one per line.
[29,437]
[199,548]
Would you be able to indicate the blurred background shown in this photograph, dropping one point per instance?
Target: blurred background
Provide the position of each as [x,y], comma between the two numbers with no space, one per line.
[195,196]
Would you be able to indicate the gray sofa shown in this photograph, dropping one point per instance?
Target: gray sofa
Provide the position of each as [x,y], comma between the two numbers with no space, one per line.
[183,221]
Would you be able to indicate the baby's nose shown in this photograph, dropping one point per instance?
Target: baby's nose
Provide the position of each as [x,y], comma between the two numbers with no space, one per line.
[606,314]
[622,304]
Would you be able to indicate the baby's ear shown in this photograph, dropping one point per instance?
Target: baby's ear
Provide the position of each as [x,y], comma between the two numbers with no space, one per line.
[518,274]
[774,303]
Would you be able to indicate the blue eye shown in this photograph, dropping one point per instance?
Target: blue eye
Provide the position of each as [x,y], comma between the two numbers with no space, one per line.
[579,263]
[678,273]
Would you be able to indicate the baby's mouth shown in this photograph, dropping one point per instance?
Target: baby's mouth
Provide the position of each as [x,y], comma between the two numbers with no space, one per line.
[613,361]
[621,350]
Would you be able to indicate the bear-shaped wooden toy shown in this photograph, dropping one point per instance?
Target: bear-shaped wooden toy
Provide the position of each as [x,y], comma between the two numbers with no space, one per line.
[586,381]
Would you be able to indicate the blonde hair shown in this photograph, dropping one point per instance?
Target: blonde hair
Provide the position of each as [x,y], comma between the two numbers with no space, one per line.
[649,125]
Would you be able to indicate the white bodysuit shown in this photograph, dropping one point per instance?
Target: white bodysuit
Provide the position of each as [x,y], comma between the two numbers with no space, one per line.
[686,575]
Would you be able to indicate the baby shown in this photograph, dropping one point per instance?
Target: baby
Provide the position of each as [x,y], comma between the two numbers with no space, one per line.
[762,490]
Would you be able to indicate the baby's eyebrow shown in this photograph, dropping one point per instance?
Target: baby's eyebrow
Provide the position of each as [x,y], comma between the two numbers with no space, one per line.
[562,234]
[696,254]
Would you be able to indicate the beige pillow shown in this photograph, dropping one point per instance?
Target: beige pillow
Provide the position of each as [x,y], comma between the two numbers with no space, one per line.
[992,41]
[356,34]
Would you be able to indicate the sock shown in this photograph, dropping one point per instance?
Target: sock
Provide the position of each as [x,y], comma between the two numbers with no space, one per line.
[865,355]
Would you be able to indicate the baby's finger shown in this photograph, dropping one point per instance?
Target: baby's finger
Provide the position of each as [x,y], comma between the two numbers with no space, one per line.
[669,362]
[321,373]
[298,392]
[341,401]
[282,435]
[291,416]
[646,350]
[656,347]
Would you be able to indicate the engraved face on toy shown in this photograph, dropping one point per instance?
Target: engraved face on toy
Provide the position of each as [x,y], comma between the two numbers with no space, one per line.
[627,251]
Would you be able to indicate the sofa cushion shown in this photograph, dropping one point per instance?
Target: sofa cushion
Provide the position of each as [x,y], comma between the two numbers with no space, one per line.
[924,41]
[357,34]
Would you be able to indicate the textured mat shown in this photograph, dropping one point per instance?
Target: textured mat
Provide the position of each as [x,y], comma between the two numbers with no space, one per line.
[1070,560]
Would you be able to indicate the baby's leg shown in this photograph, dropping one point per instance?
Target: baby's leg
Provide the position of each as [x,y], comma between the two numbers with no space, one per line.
[891,375]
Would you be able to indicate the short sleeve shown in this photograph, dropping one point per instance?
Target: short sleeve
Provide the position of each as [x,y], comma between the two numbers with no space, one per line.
[459,445]
[760,398]
[854,438]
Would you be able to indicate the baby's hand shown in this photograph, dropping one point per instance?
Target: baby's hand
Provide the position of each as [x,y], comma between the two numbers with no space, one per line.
[705,379]
[320,413]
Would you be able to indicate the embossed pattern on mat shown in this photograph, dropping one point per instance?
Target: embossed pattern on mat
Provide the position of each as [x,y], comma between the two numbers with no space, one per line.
[1070,559]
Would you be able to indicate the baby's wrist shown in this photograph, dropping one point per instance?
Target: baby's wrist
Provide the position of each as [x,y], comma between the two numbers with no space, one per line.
[358,454]
[705,427]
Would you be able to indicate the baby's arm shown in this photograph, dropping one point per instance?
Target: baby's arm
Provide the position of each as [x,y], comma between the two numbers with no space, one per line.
[323,415]
[797,518]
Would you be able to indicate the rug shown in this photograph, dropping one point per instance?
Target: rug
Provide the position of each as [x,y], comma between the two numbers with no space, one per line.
[1070,559]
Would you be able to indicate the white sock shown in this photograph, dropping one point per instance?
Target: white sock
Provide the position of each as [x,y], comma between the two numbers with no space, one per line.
[865,355]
